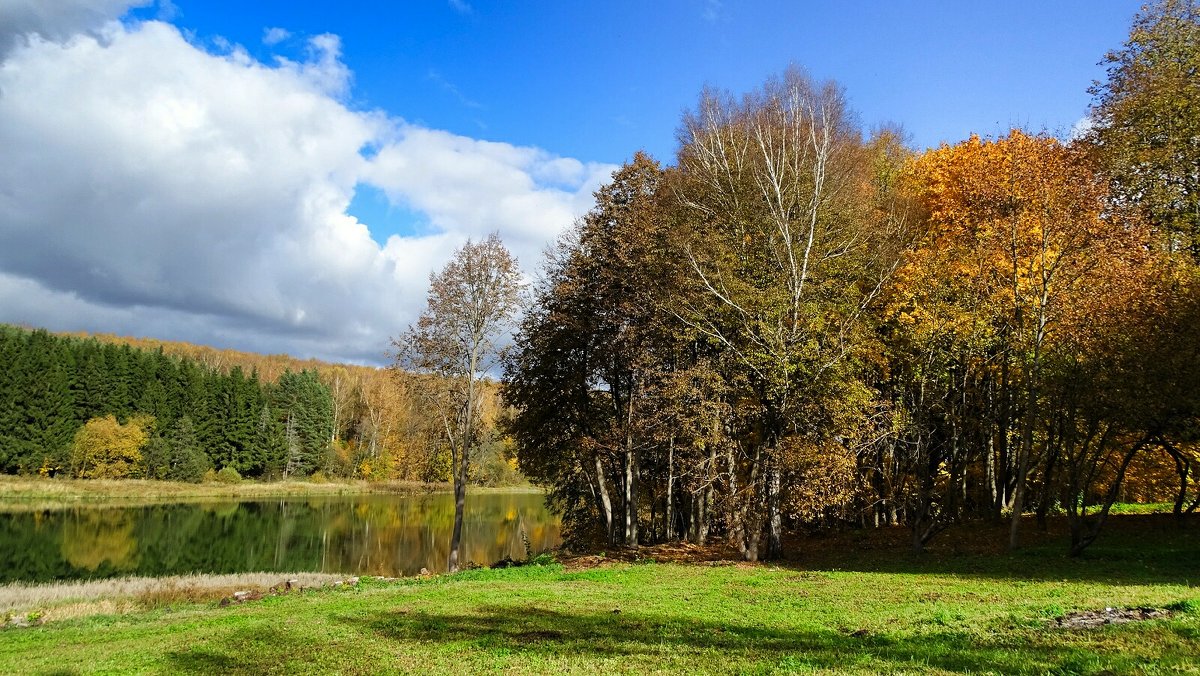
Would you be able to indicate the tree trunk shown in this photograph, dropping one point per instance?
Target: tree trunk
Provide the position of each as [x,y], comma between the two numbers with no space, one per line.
[774,517]
[631,497]
[605,501]
[737,524]
[460,501]
[706,505]
[1084,534]
[1045,491]
[670,515]
[1023,457]
[754,531]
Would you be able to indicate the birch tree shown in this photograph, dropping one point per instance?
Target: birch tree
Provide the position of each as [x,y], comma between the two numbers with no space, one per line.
[777,185]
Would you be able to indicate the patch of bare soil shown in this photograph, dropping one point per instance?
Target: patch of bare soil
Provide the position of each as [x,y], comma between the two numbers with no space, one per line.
[671,552]
[1087,619]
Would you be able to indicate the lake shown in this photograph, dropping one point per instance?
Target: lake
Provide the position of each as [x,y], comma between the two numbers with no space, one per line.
[384,535]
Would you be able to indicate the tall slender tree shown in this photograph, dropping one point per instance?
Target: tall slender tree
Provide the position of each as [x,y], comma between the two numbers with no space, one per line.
[472,304]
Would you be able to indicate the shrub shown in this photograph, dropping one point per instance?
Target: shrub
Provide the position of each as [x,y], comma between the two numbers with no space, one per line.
[228,475]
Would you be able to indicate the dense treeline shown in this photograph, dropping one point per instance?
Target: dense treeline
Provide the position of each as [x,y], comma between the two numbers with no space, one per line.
[104,409]
[802,326]
[110,411]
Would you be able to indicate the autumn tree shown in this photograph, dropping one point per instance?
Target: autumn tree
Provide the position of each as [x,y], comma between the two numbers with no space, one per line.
[472,303]
[106,449]
[1018,255]
[595,377]
[1146,121]
[783,263]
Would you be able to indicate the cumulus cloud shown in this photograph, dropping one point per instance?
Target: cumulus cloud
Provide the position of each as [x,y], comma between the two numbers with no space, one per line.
[152,188]
[56,19]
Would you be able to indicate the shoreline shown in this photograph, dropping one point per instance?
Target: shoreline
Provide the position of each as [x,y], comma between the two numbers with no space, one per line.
[30,603]
[40,494]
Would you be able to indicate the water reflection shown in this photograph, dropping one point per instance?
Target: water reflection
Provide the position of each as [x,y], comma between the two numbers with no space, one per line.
[370,535]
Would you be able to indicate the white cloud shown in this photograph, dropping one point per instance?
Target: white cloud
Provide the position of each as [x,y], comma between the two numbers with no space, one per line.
[275,35]
[1082,127]
[152,188]
[56,19]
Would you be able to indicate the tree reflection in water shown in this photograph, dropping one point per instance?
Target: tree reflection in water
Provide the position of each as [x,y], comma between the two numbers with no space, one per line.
[367,535]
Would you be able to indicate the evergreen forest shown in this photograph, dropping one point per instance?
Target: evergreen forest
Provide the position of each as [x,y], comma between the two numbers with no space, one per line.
[106,407]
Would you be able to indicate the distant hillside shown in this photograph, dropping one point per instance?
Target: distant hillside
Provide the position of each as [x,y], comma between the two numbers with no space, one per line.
[268,366]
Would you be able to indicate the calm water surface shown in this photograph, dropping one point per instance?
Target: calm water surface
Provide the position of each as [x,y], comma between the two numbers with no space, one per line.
[370,535]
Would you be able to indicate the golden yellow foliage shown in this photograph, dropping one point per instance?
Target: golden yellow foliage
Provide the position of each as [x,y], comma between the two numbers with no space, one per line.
[105,449]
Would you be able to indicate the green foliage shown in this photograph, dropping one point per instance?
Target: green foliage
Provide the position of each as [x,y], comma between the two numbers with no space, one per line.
[56,384]
[1146,117]
[227,475]
[542,559]
[1191,606]
[304,410]
[176,456]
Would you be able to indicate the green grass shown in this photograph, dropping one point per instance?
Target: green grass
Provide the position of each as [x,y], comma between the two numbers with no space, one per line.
[1141,508]
[842,605]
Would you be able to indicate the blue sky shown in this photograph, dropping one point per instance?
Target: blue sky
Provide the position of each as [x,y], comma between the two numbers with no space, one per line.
[282,176]
[600,80]
[597,81]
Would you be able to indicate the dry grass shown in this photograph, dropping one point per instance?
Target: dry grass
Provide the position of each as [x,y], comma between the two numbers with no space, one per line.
[82,598]
[36,493]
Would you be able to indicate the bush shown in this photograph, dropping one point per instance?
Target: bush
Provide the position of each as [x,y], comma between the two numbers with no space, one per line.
[228,475]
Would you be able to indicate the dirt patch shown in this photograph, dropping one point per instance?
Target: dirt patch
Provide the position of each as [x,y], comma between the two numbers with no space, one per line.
[1097,618]
[672,552]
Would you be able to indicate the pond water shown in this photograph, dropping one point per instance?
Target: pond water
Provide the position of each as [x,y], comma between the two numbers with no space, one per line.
[384,535]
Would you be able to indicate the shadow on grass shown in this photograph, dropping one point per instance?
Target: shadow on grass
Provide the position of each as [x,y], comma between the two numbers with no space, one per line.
[524,637]
[1132,550]
[644,641]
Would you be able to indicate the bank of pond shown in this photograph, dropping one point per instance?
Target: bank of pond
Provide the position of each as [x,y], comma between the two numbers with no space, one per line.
[382,535]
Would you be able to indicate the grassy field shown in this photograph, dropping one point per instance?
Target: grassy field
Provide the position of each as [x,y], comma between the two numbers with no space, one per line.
[854,603]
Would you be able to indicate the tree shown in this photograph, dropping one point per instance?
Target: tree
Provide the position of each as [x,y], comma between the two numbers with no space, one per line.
[305,409]
[176,455]
[1146,118]
[590,356]
[785,257]
[472,303]
[1015,262]
[105,449]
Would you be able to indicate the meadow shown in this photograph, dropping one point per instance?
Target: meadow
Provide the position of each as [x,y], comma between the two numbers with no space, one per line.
[854,602]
